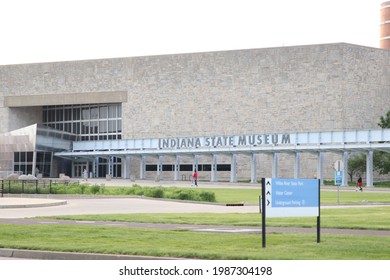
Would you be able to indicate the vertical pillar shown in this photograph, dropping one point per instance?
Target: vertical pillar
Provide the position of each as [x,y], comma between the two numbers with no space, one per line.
[96,166]
[159,167]
[320,167]
[254,169]
[214,177]
[176,171]
[233,171]
[196,163]
[93,163]
[275,161]
[127,167]
[142,171]
[110,165]
[34,164]
[370,169]
[297,165]
[344,181]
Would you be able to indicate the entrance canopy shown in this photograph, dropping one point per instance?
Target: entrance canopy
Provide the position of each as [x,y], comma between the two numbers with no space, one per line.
[364,141]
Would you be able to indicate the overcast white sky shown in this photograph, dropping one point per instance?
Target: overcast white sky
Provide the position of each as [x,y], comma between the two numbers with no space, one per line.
[58,30]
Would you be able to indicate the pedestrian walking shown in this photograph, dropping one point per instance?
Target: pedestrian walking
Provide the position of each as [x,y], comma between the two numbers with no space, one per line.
[195,176]
[360,184]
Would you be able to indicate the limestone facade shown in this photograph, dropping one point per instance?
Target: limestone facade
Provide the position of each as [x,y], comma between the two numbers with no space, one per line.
[272,90]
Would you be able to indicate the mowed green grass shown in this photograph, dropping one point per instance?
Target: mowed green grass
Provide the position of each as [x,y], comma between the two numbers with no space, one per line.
[377,218]
[188,244]
[237,195]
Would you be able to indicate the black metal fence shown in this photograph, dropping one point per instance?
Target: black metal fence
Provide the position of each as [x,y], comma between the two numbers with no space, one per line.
[47,186]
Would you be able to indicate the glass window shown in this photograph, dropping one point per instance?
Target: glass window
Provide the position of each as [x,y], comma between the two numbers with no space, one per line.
[16,156]
[111,126]
[119,126]
[76,114]
[151,167]
[59,115]
[103,112]
[68,114]
[51,116]
[94,113]
[68,127]
[103,127]
[94,127]
[75,119]
[85,128]
[22,156]
[30,156]
[85,113]
[112,111]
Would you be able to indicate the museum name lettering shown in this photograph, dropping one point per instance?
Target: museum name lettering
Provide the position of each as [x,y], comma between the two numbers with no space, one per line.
[224,141]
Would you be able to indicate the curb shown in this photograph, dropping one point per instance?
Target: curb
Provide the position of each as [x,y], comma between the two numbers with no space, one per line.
[49,255]
[31,204]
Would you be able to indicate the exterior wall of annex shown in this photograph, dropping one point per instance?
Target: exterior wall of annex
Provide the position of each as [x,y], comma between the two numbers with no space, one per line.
[272,90]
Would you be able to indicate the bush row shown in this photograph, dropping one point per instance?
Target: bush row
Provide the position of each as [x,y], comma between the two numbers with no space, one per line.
[170,193]
[76,188]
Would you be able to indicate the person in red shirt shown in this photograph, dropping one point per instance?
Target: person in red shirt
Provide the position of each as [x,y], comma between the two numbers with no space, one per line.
[360,184]
[195,176]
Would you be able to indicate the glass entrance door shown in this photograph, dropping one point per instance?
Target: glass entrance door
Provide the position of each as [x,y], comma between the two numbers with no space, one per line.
[78,169]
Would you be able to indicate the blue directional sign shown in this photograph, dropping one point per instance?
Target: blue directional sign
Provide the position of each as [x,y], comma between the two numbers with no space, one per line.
[291,197]
[338,178]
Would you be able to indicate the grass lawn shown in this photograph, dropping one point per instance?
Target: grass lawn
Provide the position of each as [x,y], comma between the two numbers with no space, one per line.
[353,218]
[327,196]
[183,243]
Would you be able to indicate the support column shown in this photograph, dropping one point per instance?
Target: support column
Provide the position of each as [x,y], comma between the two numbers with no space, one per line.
[142,171]
[254,169]
[370,169]
[127,169]
[176,173]
[214,169]
[344,181]
[297,165]
[34,164]
[159,167]
[110,165]
[96,167]
[275,161]
[233,171]
[93,162]
[320,167]
[196,163]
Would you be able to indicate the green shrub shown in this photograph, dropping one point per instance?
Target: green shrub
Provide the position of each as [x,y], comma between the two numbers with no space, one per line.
[95,189]
[207,196]
[157,192]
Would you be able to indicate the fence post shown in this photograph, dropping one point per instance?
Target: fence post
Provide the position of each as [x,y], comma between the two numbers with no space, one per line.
[36,186]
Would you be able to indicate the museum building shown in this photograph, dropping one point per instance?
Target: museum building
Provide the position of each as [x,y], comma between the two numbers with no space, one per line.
[232,115]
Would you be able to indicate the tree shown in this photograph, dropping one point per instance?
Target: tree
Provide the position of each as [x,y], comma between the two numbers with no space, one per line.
[356,165]
[385,121]
[382,159]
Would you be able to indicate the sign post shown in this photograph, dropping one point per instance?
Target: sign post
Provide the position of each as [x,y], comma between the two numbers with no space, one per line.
[338,177]
[290,198]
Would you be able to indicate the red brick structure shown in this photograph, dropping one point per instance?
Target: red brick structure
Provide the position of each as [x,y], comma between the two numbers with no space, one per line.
[385,25]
